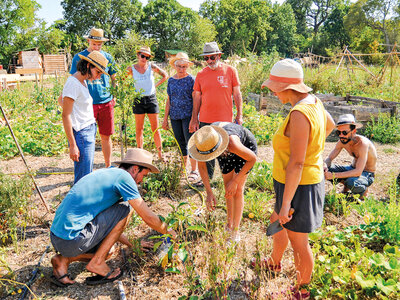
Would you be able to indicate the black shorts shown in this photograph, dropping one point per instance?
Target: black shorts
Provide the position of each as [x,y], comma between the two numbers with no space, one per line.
[146,105]
[91,236]
[231,161]
[308,204]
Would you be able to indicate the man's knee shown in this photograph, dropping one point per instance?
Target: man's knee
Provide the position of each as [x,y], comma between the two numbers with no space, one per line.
[355,185]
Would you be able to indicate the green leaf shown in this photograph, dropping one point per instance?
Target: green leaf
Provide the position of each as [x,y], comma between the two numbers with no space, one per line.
[173,270]
[182,254]
[156,245]
[387,287]
[365,283]
[197,228]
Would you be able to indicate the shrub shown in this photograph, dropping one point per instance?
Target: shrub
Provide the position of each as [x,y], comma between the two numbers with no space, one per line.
[385,129]
[14,205]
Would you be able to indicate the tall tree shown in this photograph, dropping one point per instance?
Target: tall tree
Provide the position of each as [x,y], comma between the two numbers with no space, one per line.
[115,17]
[241,24]
[173,26]
[15,16]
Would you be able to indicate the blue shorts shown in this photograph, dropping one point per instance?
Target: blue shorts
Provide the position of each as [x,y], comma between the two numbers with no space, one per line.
[90,237]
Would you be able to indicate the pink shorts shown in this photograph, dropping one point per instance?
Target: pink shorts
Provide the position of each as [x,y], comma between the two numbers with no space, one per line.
[104,115]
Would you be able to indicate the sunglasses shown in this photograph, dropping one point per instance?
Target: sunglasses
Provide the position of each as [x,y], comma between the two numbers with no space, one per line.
[212,57]
[344,132]
[144,56]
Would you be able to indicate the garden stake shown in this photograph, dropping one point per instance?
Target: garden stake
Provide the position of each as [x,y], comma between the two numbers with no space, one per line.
[23,158]
[34,274]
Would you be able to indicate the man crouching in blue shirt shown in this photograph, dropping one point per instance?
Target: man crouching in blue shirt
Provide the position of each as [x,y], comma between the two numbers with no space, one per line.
[95,212]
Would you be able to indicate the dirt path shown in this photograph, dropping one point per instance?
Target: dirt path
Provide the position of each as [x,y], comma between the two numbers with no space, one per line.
[151,282]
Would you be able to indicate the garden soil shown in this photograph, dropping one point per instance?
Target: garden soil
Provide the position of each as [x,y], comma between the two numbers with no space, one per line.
[144,278]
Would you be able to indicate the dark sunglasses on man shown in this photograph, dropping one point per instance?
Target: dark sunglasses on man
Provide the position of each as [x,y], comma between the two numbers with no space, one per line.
[144,56]
[212,57]
[344,132]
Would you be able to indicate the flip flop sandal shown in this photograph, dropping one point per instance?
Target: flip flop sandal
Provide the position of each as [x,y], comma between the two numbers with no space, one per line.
[56,280]
[98,279]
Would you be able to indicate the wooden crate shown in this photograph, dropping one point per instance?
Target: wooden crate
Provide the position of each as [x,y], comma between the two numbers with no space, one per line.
[30,59]
[55,63]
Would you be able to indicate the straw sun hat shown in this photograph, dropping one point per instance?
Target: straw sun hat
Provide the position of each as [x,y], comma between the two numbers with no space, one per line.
[180,56]
[145,50]
[286,74]
[348,119]
[97,59]
[140,157]
[208,143]
[96,34]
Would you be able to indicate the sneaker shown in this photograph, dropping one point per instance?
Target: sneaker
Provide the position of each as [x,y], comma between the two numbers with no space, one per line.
[299,294]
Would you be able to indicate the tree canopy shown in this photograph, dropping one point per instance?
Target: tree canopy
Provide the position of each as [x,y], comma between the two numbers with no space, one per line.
[239,26]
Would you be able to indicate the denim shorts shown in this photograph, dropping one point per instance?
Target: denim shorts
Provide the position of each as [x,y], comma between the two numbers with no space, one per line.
[90,237]
[146,105]
[85,140]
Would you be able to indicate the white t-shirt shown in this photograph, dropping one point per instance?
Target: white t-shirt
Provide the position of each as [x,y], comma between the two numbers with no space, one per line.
[82,111]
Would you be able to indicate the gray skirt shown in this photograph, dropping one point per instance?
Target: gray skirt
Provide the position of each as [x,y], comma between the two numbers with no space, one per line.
[308,204]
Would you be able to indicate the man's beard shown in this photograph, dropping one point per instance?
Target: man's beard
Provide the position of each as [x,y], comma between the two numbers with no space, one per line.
[344,141]
[214,66]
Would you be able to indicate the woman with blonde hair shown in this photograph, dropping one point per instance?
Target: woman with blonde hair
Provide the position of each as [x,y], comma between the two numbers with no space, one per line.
[179,107]
[297,171]
[143,74]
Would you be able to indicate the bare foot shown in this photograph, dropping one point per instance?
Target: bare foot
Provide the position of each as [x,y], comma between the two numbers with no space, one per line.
[102,269]
[60,267]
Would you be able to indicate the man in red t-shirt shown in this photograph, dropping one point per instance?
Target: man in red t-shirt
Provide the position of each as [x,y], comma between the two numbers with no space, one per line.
[212,93]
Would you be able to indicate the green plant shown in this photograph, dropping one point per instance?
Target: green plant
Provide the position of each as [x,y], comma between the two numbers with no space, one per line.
[385,129]
[260,177]
[338,203]
[165,183]
[258,205]
[263,127]
[14,206]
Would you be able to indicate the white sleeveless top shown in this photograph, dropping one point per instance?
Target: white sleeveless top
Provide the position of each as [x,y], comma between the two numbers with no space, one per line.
[144,83]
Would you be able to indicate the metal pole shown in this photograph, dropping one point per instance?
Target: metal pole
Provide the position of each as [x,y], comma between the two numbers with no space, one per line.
[23,158]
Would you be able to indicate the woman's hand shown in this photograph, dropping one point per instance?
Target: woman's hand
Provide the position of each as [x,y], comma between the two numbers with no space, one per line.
[165,125]
[284,216]
[74,152]
[211,202]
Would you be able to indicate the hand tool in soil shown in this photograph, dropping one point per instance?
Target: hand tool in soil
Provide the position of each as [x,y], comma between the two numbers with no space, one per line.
[34,274]
[275,227]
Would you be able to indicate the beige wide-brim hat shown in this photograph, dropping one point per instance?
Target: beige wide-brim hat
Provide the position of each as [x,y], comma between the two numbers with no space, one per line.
[140,157]
[286,74]
[145,50]
[348,119]
[210,49]
[180,56]
[96,34]
[208,143]
[97,59]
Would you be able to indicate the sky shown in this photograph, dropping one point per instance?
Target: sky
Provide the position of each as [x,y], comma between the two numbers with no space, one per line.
[51,9]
